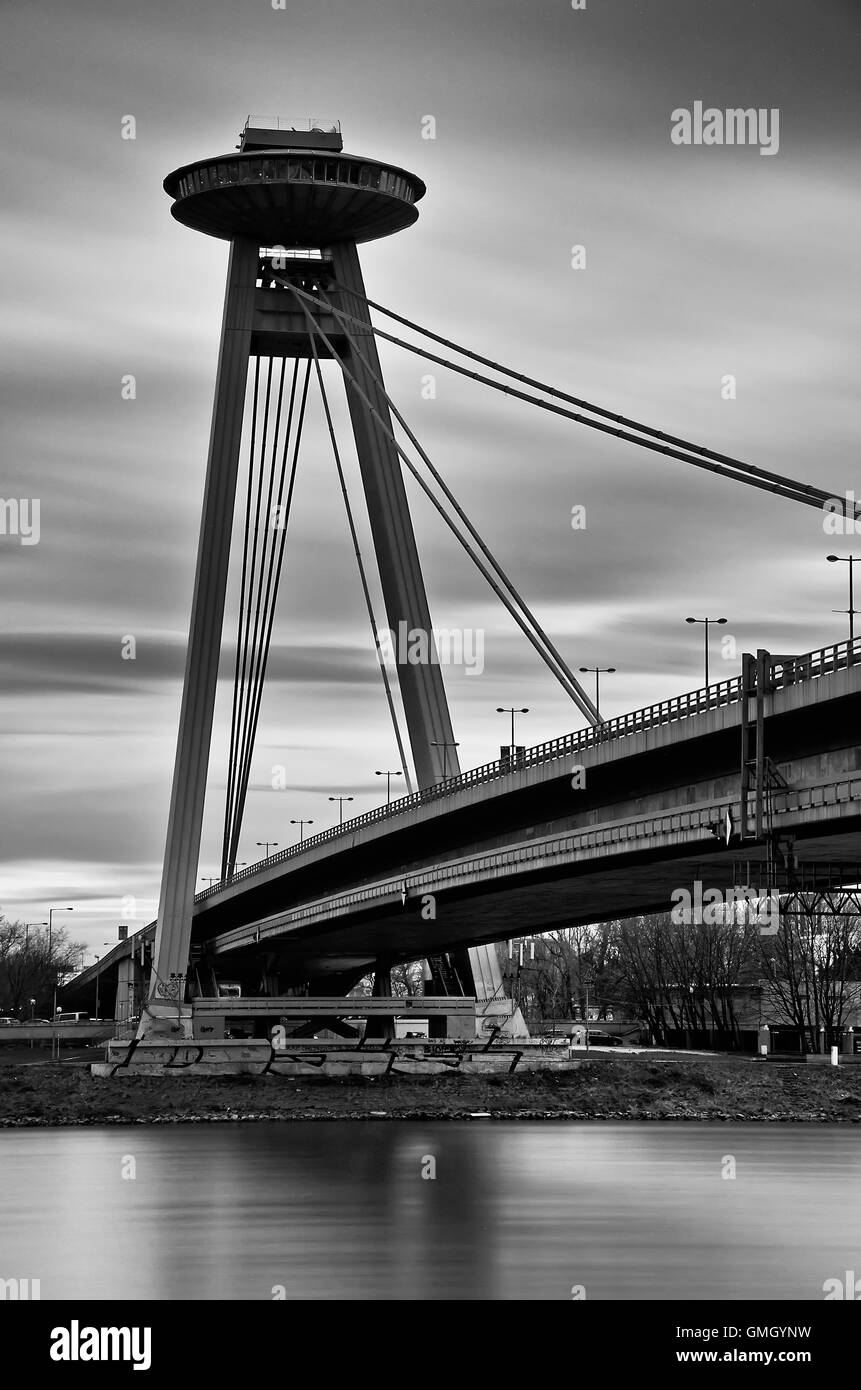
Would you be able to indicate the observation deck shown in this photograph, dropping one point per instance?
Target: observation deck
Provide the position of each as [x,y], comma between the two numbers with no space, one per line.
[294,188]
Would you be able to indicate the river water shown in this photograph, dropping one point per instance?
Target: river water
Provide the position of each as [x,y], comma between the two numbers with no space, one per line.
[340,1209]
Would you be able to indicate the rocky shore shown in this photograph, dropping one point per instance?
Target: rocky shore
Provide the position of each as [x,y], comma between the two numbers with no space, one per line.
[716,1089]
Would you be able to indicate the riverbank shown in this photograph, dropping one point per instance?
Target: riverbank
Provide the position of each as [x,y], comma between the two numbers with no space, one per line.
[607,1089]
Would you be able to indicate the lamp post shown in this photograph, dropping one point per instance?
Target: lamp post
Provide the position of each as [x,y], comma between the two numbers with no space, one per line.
[111,944]
[598,672]
[706,621]
[267,845]
[509,709]
[445,747]
[340,800]
[209,878]
[301,824]
[851,610]
[98,958]
[587,980]
[27,926]
[51,911]
[388,776]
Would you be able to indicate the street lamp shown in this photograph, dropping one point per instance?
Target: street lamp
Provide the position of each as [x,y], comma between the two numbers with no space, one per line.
[301,824]
[104,943]
[209,878]
[598,672]
[51,911]
[587,981]
[445,747]
[508,709]
[340,800]
[388,776]
[267,845]
[720,622]
[851,610]
[98,958]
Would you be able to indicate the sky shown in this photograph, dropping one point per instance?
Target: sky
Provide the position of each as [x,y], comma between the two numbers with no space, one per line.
[552,130]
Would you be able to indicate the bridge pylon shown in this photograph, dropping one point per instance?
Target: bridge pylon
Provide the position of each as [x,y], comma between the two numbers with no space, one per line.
[294,208]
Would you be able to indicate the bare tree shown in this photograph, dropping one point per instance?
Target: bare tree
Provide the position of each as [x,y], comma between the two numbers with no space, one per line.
[29,970]
[406,981]
[685,976]
[809,964]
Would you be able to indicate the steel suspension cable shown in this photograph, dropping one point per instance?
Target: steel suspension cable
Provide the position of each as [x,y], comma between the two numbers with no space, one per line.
[574,690]
[235,715]
[272,593]
[624,420]
[263,646]
[262,544]
[260,547]
[252,700]
[569,680]
[244,679]
[281,541]
[500,572]
[362,574]
[731,468]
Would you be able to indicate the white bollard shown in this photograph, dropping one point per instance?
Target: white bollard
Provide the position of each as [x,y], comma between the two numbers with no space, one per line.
[835,1057]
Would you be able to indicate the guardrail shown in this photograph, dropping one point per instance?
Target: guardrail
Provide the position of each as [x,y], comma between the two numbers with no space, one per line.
[338,1006]
[255,121]
[784,672]
[75,1032]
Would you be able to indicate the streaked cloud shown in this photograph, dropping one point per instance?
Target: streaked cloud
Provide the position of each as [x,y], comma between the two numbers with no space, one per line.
[552,130]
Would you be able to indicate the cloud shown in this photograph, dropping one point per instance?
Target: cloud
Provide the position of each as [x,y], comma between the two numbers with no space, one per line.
[552,130]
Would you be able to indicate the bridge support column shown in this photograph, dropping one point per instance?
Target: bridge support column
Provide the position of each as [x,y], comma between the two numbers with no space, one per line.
[165,1010]
[421,684]
[754,686]
[130,984]
[383,1027]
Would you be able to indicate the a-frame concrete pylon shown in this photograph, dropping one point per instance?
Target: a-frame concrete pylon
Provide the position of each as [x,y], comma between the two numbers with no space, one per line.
[296,192]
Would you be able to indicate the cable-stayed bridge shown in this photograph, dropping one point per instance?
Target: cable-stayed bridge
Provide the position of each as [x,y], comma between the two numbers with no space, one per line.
[759,770]
[605,823]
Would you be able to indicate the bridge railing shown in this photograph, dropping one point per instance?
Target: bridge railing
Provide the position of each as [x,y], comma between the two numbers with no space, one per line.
[812,665]
[784,672]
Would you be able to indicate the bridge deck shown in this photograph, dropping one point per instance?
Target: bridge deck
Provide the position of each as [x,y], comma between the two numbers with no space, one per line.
[500,852]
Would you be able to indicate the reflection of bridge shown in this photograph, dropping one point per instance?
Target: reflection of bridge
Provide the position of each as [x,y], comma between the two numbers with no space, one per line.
[603,823]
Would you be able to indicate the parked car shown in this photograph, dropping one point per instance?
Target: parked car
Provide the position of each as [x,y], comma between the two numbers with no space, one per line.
[10,1023]
[598,1038]
[73,1018]
[28,1021]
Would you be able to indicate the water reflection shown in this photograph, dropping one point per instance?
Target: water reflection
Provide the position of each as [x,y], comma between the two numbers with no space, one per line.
[516,1211]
